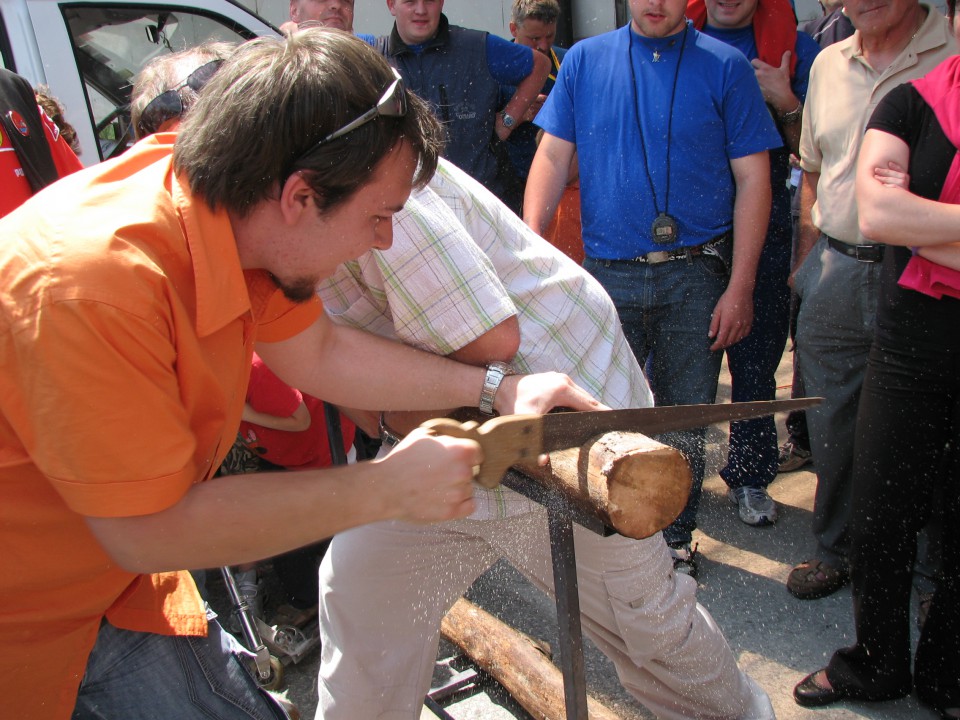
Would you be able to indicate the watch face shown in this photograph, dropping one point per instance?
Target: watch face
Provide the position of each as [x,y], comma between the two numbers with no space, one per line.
[508,121]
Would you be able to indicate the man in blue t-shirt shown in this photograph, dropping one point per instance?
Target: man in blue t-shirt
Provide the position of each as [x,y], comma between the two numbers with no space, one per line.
[460,71]
[753,451]
[671,133]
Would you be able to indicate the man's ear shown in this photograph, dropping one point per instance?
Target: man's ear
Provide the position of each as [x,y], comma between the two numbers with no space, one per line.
[295,10]
[296,198]
[513,29]
[391,6]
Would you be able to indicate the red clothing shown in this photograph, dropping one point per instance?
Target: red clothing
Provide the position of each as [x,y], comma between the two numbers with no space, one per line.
[940,88]
[308,448]
[14,188]
[774,27]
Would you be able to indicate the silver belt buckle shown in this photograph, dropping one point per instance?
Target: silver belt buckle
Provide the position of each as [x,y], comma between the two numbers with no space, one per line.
[658,256]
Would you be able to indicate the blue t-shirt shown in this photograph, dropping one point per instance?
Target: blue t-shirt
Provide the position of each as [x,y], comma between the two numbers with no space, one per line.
[744,39]
[805,49]
[718,115]
[509,63]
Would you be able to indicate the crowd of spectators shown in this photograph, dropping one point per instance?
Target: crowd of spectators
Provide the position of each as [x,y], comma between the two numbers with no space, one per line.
[712,180]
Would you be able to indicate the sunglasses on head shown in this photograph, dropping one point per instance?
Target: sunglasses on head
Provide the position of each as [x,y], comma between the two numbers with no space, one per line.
[393,103]
[168,104]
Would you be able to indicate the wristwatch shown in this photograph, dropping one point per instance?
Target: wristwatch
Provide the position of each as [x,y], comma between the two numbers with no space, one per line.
[496,372]
[789,118]
[508,120]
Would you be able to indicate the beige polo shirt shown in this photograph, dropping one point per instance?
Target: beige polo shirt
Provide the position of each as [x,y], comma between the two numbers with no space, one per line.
[843,92]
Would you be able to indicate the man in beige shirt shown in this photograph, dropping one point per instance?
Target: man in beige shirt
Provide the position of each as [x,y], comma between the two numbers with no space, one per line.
[837,270]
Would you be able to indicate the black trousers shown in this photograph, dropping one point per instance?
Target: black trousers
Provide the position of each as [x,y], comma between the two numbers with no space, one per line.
[906,461]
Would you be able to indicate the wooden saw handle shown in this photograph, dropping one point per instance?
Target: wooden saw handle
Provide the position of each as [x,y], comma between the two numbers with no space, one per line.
[505,441]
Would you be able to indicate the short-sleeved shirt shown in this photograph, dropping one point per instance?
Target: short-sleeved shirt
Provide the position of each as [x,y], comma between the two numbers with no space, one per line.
[293,450]
[620,127]
[522,143]
[843,92]
[460,264]
[16,188]
[904,114]
[805,50]
[126,332]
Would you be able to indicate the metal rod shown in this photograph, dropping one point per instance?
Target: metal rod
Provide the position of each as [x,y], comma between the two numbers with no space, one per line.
[568,609]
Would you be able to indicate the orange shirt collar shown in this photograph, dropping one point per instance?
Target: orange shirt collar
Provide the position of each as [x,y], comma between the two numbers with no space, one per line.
[222,293]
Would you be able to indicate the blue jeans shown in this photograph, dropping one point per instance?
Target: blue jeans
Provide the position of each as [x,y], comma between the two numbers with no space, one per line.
[665,312]
[146,676]
[753,363]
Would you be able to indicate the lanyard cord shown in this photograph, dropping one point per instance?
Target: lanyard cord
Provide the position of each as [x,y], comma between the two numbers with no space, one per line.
[636,109]
[556,66]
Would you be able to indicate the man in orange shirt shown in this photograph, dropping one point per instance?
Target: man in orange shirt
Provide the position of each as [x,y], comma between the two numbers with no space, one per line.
[132,295]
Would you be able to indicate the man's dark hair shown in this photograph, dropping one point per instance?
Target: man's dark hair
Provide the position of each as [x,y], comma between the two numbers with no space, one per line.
[275,99]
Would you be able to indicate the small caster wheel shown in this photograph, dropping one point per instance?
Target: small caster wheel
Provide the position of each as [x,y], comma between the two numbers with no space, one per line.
[275,680]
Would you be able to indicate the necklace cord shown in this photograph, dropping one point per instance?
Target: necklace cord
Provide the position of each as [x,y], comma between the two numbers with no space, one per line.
[636,109]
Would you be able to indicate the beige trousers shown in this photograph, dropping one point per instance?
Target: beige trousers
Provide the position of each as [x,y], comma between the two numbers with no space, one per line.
[385,587]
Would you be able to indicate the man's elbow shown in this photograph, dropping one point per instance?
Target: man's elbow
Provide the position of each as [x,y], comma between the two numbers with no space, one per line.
[541,68]
[871,227]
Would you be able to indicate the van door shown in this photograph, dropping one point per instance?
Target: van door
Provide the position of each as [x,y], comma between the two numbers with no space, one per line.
[92,50]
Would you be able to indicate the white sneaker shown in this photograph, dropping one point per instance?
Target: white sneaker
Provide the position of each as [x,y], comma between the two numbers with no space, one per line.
[754,505]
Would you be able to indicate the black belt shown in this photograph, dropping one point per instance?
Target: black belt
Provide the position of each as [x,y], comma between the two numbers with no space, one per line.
[661,256]
[861,253]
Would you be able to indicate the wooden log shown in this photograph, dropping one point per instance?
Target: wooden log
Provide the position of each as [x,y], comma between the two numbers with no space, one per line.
[514,660]
[629,481]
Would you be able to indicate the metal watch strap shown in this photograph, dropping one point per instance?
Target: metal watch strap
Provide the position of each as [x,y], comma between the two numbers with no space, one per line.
[388,436]
[789,118]
[496,372]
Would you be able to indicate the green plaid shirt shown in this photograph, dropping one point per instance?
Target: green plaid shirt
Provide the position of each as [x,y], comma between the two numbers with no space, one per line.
[462,263]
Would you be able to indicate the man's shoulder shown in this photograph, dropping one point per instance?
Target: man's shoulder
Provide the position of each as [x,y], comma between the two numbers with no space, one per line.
[709,46]
[604,42]
[458,33]
[805,44]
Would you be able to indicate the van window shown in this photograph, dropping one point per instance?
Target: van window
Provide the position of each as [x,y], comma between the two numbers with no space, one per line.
[112,44]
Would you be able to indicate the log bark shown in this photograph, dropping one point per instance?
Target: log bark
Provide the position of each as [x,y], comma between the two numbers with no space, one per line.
[629,481]
[514,660]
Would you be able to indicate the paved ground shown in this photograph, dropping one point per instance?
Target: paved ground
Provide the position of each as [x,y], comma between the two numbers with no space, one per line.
[777,638]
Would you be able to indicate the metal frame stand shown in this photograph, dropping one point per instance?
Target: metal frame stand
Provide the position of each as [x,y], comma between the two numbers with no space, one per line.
[561,514]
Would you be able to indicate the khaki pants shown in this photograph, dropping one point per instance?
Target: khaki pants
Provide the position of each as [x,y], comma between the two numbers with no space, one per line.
[385,588]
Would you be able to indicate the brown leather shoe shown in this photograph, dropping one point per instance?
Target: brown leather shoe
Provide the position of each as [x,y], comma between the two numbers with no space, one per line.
[814,579]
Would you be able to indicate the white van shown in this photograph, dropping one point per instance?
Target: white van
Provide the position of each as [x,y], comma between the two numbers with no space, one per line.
[88,53]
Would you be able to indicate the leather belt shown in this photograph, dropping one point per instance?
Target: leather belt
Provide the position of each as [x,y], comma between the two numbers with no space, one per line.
[661,256]
[866,253]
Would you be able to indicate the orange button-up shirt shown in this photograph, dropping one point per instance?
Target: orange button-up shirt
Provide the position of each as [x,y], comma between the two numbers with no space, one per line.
[126,334]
